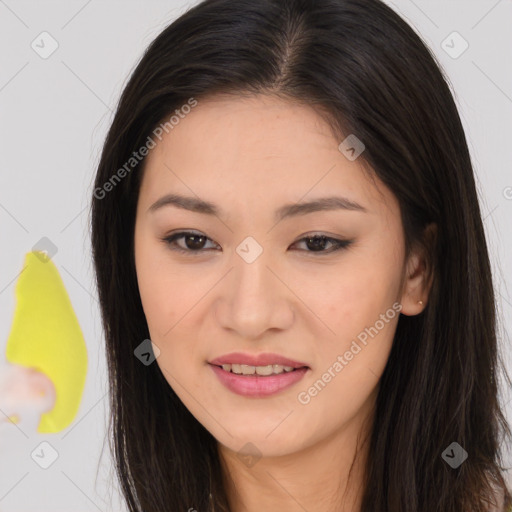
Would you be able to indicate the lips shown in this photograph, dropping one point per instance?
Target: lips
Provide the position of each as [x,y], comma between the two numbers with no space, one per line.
[256,386]
[263,359]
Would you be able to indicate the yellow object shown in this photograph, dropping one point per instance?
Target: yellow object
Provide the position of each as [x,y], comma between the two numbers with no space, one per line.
[13,419]
[46,335]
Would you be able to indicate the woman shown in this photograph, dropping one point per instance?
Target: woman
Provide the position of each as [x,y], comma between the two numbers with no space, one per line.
[293,273]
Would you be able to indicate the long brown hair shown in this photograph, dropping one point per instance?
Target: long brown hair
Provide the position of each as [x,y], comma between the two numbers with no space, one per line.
[367,71]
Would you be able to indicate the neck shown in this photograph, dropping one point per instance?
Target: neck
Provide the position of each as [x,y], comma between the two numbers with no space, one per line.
[327,475]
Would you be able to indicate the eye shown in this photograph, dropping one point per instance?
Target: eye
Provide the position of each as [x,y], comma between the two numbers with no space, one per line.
[195,243]
[318,242]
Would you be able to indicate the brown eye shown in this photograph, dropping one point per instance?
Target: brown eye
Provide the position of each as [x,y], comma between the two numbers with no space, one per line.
[193,242]
[318,243]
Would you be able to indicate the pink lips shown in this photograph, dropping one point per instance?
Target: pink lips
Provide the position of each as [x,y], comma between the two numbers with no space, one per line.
[257,386]
[256,360]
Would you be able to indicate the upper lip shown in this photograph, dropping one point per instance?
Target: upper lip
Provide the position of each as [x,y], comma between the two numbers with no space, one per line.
[263,359]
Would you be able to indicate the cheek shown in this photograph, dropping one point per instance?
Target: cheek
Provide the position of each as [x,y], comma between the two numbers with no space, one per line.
[156,289]
[162,289]
[348,371]
[358,308]
[167,297]
[368,284]
[357,296]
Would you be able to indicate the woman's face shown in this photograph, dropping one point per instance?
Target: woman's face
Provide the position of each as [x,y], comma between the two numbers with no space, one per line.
[249,281]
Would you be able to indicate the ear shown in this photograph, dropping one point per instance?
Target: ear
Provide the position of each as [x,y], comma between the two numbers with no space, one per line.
[418,275]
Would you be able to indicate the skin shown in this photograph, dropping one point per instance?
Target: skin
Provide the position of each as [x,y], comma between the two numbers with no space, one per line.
[250,156]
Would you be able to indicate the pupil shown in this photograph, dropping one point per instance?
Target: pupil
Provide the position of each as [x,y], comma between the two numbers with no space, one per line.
[195,240]
[318,242]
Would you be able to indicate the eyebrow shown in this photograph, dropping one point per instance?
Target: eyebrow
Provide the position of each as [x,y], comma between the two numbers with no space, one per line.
[289,210]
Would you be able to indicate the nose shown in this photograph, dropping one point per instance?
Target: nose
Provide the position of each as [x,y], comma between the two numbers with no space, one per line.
[254,299]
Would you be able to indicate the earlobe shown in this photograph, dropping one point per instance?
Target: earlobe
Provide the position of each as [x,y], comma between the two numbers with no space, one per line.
[418,276]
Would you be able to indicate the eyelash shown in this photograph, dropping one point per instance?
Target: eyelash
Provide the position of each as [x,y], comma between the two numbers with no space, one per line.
[170,241]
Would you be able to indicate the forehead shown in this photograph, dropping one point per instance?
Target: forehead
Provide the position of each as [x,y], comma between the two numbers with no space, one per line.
[249,149]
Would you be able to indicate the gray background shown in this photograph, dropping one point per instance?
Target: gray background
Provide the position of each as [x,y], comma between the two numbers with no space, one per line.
[54,114]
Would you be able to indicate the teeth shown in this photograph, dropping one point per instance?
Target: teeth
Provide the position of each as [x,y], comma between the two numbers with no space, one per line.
[248,370]
[244,369]
[265,370]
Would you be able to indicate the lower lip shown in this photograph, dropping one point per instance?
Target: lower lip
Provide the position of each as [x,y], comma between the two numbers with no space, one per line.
[258,386]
